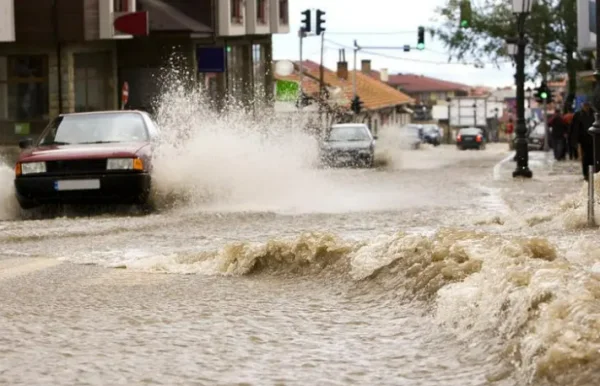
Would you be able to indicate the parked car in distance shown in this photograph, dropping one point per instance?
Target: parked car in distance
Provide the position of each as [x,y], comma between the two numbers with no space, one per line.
[537,137]
[349,144]
[412,135]
[88,158]
[470,138]
[432,134]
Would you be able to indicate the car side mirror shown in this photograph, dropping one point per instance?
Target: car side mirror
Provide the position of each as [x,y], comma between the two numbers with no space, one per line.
[26,143]
[375,137]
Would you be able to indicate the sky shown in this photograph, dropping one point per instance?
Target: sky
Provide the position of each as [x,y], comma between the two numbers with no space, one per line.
[383,23]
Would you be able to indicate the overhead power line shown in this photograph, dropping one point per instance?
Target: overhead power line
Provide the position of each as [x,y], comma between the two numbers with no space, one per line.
[364,33]
[476,64]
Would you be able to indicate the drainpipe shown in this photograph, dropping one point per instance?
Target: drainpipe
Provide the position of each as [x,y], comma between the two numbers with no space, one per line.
[58,55]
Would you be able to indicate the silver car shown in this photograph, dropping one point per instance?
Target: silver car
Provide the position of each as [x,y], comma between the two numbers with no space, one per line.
[350,144]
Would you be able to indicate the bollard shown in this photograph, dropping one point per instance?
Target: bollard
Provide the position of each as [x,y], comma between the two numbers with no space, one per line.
[591,220]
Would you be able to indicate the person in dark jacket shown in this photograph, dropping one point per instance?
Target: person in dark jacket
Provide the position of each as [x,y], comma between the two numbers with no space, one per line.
[571,139]
[582,121]
[559,135]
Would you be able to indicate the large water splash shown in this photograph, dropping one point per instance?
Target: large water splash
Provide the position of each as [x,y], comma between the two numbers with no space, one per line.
[516,297]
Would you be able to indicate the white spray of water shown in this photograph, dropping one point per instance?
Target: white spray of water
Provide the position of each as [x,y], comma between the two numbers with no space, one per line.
[9,208]
[246,160]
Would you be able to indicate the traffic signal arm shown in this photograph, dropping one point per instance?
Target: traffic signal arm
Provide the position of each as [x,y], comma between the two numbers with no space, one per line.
[320,22]
[421,38]
[465,13]
[306,24]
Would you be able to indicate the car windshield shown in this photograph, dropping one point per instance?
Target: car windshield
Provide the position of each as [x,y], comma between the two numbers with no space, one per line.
[470,132]
[349,133]
[540,130]
[431,129]
[95,128]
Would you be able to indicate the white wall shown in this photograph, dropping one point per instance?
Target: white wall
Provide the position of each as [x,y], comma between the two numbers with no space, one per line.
[7,20]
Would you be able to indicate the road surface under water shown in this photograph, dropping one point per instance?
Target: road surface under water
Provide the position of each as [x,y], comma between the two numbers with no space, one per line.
[424,272]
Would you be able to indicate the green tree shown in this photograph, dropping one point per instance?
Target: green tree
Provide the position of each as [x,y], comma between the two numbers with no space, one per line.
[551,30]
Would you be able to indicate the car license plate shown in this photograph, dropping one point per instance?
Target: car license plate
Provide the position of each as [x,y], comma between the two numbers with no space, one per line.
[535,141]
[344,158]
[77,185]
[468,139]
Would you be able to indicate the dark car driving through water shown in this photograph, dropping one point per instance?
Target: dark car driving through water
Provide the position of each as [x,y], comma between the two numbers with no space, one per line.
[348,144]
[432,134]
[470,138]
[87,158]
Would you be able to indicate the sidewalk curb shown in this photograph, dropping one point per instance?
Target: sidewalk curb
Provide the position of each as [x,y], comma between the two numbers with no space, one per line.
[545,158]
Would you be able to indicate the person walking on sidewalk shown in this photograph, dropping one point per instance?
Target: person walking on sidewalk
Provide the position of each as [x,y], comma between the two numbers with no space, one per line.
[510,129]
[559,135]
[571,138]
[582,121]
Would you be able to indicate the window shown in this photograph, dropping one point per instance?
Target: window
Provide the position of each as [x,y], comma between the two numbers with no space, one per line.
[24,87]
[95,128]
[236,12]
[121,5]
[283,12]
[92,74]
[258,62]
[349,133]
[261,11]
[235,65]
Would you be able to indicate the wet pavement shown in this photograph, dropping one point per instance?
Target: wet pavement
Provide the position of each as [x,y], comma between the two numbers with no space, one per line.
[430,270]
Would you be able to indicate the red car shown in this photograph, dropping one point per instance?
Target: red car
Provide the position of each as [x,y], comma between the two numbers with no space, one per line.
[86,158]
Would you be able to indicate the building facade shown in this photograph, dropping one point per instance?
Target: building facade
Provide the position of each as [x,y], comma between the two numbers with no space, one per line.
[382,105]
[61,56]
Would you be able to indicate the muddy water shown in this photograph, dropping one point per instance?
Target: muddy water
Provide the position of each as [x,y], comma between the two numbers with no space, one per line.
[421,273]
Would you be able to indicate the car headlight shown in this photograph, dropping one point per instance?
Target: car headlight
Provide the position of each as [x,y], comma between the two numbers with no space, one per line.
[33,167]
[124,164]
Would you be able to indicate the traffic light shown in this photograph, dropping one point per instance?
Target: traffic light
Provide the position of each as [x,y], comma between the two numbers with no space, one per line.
[543,94]
[421,39]
[303,100]
[306,21]
[356,105]
[465,13]
[320,22]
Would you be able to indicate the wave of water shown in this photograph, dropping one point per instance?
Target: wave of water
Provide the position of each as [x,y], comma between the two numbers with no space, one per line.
[518,295]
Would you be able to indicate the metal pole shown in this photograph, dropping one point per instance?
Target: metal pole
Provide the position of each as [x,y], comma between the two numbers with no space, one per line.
[354,73]
[591,217]
[546,129]
[522,169]
[448,136]
[301,76]
[594,131]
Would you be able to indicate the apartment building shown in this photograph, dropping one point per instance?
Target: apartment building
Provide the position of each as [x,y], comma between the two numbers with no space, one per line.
[74,55]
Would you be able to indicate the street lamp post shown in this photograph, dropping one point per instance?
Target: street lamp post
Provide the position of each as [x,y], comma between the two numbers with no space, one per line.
[521,8]
[594,131]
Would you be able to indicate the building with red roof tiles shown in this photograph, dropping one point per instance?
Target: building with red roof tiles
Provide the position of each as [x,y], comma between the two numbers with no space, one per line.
[382,104]
[423,89]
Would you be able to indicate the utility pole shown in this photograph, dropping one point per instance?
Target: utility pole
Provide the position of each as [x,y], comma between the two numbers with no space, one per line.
[301,37]
[321,81]
[356,48]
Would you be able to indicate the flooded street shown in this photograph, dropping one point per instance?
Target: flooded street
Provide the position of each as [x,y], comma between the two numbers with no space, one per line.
[426,271]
